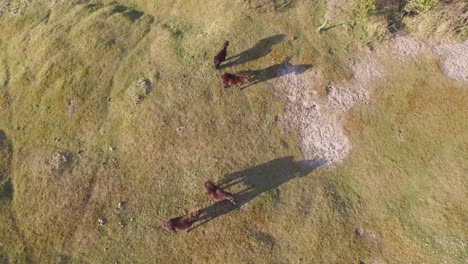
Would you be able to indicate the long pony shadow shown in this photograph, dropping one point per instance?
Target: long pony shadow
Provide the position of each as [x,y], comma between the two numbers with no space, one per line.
[275,71]
[261,49]
[257,180]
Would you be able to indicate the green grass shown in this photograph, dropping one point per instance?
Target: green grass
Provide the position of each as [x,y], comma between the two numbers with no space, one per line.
[412,182]
[420,5]
[60,64]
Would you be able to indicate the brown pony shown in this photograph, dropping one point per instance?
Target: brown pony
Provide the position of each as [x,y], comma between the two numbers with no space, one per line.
[182,223]
[218,194]
[221,56]
[229,79]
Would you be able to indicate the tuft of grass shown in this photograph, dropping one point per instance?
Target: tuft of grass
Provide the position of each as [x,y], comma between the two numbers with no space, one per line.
[372,20]
[363,8]
[420,6]
[442,20]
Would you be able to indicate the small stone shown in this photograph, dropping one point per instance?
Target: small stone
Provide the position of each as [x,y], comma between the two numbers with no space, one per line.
[114,160]
[328,88]
[112,149]
[139,99]
[108,99]
[121,224]
[57,139]
[122,205]
[102,221]
[359,232]
[400,134]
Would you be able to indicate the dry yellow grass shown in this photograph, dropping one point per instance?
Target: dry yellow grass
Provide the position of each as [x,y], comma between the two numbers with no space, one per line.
[79,132]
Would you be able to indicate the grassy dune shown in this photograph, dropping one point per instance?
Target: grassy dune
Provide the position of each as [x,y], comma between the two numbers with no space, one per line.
[108,101]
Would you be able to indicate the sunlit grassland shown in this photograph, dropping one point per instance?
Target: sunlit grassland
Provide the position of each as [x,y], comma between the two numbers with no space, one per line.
[78,135]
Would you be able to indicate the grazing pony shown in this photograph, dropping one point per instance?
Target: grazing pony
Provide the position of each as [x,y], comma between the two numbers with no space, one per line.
[181,223]
[221,56]
[218,194]
[229,79]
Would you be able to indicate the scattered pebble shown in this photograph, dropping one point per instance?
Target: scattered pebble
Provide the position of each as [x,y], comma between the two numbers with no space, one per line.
[112,149]
[359,232]
[57,139]
[328,88]
[121,224]
[108,99]
[400,134]
[122,205]
[139,99]
[102,221]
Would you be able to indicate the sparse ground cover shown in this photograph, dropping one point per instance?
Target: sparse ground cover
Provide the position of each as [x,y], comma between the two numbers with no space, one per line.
[103,102]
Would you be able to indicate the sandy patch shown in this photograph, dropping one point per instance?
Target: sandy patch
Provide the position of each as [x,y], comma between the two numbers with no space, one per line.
[454,60]
[319,119]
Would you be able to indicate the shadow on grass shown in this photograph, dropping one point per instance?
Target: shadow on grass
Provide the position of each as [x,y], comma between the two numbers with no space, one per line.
[2,137]
[132,14]
[261,49]
[275,71]
[257,180]
[283,5]
[6,150]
